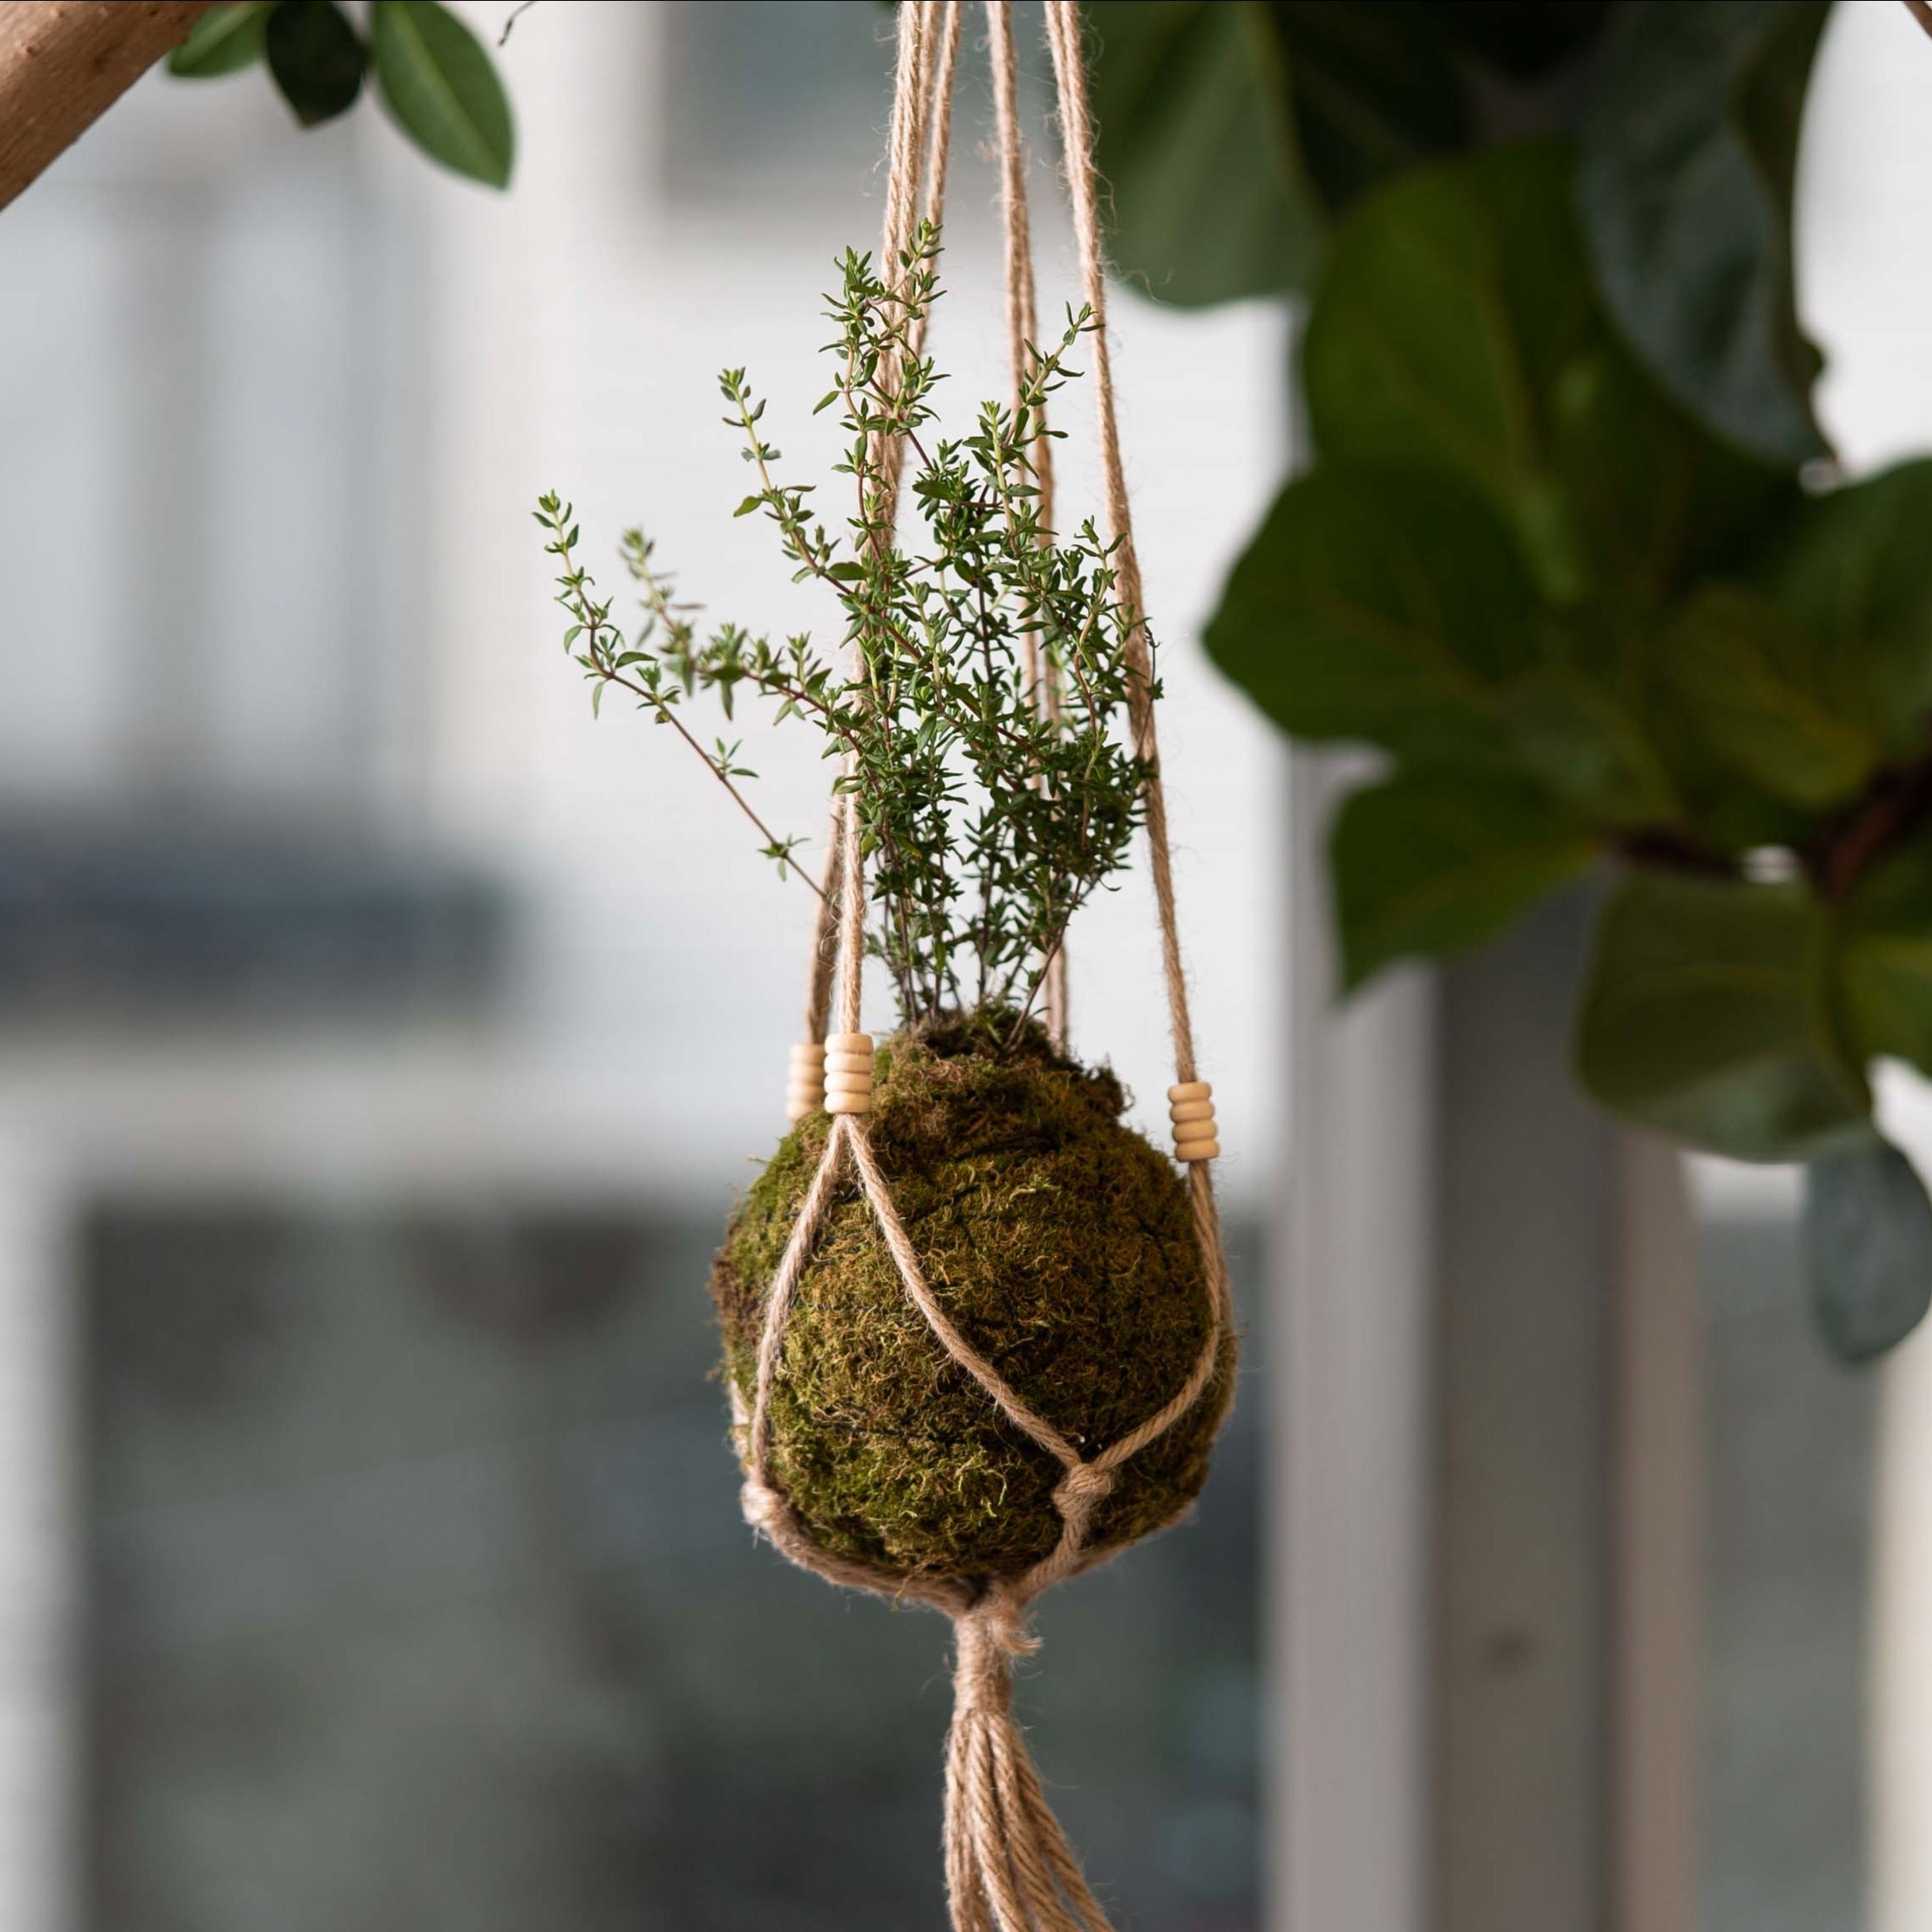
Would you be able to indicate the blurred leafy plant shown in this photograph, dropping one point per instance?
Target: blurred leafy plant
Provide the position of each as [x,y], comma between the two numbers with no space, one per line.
[1238,133]
[987,816]
[1553,556]
[435,76]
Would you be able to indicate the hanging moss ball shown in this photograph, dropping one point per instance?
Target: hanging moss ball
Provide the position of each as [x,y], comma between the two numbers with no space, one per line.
[1063,1246]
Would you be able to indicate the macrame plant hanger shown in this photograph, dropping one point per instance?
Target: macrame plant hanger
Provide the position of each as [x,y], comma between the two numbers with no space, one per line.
[1008,1866]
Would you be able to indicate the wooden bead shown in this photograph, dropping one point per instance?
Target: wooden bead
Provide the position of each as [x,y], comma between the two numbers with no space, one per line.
[848,1073]
[1191,1107]
[805,1080]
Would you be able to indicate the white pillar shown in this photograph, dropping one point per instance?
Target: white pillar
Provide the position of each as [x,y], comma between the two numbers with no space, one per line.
[40,1551]
[1350,1553]
[1900,1807]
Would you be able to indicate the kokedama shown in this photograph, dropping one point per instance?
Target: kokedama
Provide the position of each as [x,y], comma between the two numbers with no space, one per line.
[976,1329]
[1059,1239]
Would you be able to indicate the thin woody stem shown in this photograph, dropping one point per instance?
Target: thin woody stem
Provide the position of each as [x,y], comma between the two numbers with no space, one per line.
[666,715]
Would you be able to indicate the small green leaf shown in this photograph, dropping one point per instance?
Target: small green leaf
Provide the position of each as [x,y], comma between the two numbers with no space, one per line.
[1430,863]
[1757,691]
[1378,606]
[1690,153]
[1868,1248]
[225,40]
[1708,1015]
[315,56]
[443,88]
[750,504]
[845,573]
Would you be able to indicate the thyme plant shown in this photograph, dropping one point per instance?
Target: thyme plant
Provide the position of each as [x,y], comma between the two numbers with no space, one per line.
[988,817]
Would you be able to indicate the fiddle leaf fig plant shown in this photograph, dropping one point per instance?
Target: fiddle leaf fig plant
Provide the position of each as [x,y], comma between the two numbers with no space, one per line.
[1553,556]
[1239,135]
[1589,631]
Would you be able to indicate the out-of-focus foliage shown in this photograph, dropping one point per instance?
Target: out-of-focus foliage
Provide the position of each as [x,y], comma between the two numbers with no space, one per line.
[436,77]
[1552,556]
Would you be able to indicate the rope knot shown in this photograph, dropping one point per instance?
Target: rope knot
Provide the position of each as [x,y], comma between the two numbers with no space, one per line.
[982,1677]
[763,1507]
[1081,1490]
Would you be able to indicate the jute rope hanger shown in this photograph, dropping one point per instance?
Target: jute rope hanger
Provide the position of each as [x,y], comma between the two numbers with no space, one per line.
[1008,1866]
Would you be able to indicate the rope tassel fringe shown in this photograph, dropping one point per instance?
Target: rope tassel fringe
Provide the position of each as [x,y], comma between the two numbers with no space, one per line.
[1008,1866]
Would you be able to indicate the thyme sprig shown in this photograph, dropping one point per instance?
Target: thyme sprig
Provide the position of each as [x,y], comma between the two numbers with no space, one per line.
[986,825]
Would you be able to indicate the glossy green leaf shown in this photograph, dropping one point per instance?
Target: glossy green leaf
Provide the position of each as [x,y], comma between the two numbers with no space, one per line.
[1584,746]
[1232,131]
[1381,607]
[1208,201]
[1767,701]
[1853,569]
[1455,326]
[1429,863]
[441,86]
[1690,152]
[1885,959]
[1868,1248]
[1708,1015]
[315,56]
[225,40]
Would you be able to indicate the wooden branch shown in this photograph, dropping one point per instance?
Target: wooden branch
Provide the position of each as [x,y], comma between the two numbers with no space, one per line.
[63,63]
[1920,12]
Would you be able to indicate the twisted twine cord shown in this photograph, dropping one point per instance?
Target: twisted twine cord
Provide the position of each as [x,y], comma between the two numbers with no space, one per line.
[1083,189]
[920,141]
[1022,335]
[1008,1866]
[825,929]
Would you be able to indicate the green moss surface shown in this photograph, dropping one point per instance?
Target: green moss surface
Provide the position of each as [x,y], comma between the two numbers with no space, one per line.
[1063,1245]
